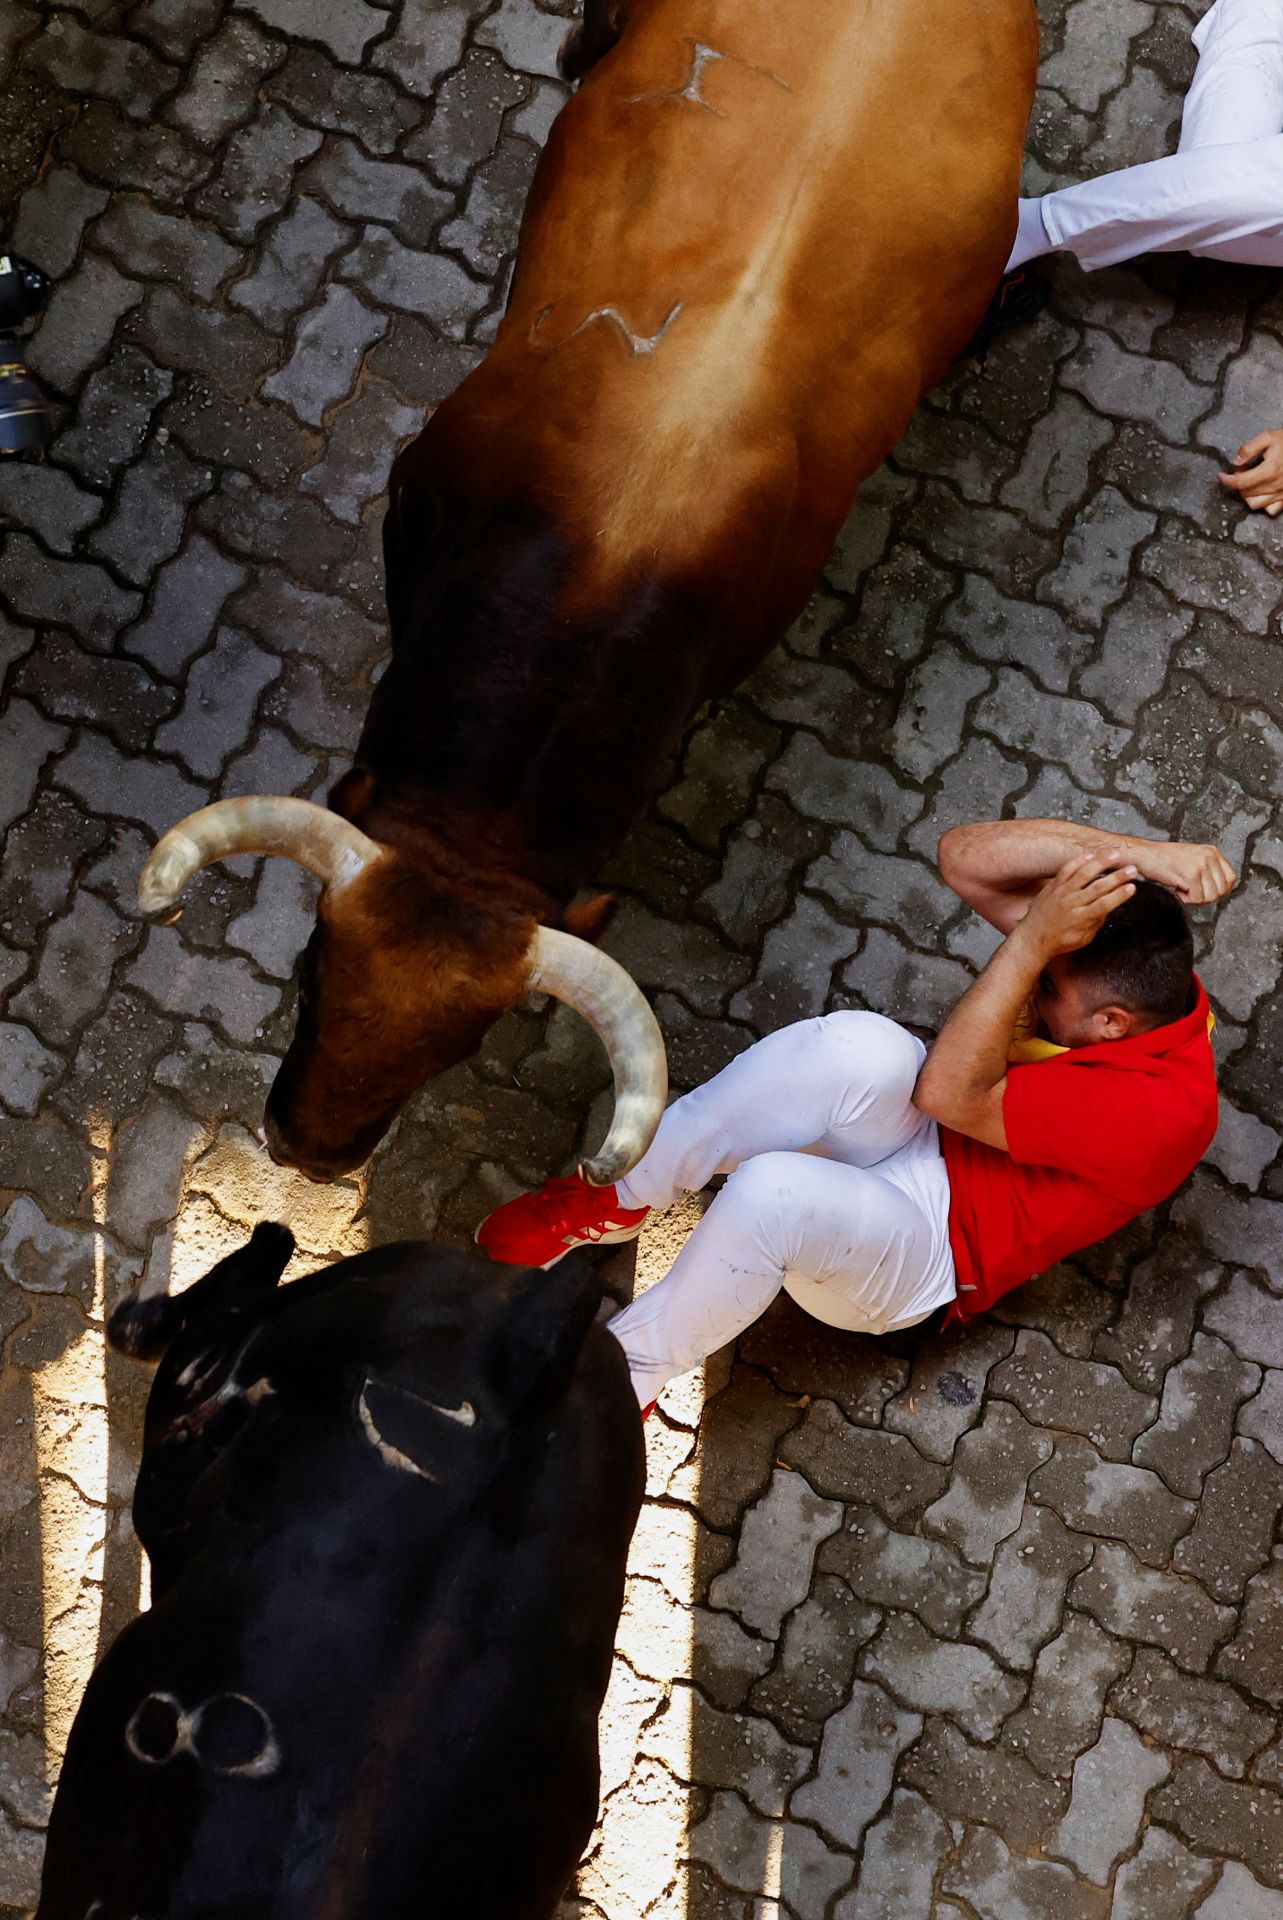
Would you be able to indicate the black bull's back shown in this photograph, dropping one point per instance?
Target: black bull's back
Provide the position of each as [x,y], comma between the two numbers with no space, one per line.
[388,1510]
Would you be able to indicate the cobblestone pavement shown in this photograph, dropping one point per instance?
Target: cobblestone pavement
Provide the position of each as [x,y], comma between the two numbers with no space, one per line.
[986,1625]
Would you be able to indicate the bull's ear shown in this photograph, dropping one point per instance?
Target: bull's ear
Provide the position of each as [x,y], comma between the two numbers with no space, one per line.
[542,1332]
[353,795]
[589,919]
[145,1326]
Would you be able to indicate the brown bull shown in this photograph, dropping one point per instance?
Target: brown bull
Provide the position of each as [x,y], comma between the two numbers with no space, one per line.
[758,234]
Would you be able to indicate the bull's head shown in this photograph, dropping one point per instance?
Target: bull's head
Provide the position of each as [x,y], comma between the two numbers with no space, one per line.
[390,994]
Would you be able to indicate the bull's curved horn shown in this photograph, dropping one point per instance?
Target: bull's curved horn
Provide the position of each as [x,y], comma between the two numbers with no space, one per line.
[325,843]
[613,1005]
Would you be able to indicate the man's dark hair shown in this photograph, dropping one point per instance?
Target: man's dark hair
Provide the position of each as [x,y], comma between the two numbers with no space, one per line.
[1143,956]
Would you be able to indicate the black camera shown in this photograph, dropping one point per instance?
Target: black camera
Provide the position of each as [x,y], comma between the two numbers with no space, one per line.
[24,413]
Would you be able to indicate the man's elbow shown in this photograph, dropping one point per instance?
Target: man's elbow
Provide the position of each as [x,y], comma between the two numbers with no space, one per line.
[931,1097]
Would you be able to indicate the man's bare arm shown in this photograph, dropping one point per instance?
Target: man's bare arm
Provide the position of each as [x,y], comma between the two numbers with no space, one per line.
[964,1077]
[999,866]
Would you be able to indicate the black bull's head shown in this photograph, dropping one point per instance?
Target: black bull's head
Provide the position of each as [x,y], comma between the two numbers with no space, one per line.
[388,1509]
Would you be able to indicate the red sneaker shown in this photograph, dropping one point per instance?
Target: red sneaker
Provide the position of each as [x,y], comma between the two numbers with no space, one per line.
[538,1229]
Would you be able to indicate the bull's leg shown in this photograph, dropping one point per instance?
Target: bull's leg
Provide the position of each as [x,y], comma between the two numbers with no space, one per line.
[592,39]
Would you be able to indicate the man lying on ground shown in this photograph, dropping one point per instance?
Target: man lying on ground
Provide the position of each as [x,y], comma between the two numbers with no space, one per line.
[1071,1088]
[1220,195]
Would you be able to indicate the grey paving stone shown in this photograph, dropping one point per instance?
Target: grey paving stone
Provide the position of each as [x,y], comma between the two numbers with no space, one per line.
[1244,1146]
[953,532]
[943,1399]
[738,1844]
[362,104]
[1245,1313]
[1201,1395]
[778,1541]
[941,1676]
[1251,377]
[846,1462]
[1000,1886]
[1051,727]
[1238,1895]
[116,785]
[901,1856]
[75,965]
[527,37]
[1093,572]
[360,446]
[848,794]
[1164,1878]
[1230,1540]
[27,1067]
[1002,629]
[1216,575]
[77,595]
[811,1676]
[1175,1709]
[51,217]
[1081,1395]
[155,245]
[1157,1609]
[993,1784]
[229,349]
[1054,474]
[486,228]
[902,1570]
[119,153]
[1253,1658]
[858,1752]
[344,27]
[282,530]
[468,108]
[697,1742]
[222,693]
[1156,1323]
[257,173]
[107,691]
[110,421]
[359,188]
[1135,649]
[1261,1418]
[792,982]
[256,436]
[1131,387]
[1112,1781]
[79,321]
[146,526]
[933,711]
[1223,1817]
[105,66]
[427,285]
[188,596]
[1067,1697]
[222,88]
[175,28]
[986,1495]
[426,43]
[60,508]
[1113,1501]
[221,989]
[327,352]
[1025,1603]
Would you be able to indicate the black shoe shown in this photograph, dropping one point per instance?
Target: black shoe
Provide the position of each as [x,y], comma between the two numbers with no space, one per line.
[1020,298]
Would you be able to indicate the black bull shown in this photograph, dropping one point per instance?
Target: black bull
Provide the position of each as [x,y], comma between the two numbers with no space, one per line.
[387,1510]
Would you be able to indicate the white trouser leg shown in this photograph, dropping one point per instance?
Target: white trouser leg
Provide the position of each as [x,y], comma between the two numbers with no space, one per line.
[1237,91]
[1221,195]
[858,1247]
[841,1086]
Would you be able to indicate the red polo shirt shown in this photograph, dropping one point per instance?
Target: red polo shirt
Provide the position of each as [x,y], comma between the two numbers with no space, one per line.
[1094,1137]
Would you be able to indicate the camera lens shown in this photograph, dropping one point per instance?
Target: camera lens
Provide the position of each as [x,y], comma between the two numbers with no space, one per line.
[24,416]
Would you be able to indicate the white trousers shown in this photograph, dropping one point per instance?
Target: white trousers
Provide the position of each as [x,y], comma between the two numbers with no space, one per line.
[837,1192]
[1221,194]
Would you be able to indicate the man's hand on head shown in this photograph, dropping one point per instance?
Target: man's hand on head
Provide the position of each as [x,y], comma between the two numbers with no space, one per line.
[1070,910]
[1258,472]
